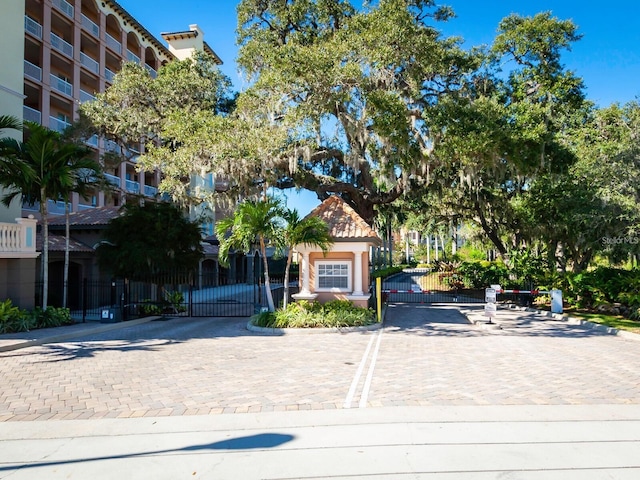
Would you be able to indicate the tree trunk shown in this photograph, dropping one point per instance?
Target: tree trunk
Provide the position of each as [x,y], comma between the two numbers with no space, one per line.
[267,283]
[65,282]
[44,264]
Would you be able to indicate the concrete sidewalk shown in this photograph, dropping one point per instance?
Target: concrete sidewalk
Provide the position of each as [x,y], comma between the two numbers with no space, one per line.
[462,443]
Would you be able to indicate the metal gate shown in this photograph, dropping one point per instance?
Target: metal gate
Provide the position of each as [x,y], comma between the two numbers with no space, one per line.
[424,286]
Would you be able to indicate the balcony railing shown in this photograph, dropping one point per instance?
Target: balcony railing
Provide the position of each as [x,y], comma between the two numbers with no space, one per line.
[113,147]
[61,45]
[85,207]
[57,124]
[53,207]
[151,71]
[90,26]
[113,180]
[113,44]
[63,6]
[132,57]
[86,97]
[19,237]
[61,85]
[131,186]
[32,27]
[92,141]
[31,114]
[89,63]
[150,191]
[32,71]
[109,75]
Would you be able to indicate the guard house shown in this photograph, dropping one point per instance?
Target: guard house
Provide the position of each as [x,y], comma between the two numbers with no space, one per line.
[344,272]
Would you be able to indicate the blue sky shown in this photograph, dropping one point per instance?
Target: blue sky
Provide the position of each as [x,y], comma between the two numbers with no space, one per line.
[607,57]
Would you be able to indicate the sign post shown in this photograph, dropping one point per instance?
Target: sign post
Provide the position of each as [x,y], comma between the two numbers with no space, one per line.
[490,307]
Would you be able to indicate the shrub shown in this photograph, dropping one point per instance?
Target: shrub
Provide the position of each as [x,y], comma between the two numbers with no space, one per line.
[387,272]
[482,274]
[13,319]
[303,314]
[51,317]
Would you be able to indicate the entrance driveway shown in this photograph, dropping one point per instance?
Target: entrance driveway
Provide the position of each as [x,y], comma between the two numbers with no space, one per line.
[425,355]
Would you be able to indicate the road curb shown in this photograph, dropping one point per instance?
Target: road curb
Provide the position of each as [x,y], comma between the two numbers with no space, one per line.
[311,331]
[66,336]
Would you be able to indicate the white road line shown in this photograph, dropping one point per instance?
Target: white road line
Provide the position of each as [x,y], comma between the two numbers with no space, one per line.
[372,366]
[356,378]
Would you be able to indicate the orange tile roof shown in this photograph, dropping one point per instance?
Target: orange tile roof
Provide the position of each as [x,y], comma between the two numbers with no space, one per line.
[343,221]
[89,217]
[57,244]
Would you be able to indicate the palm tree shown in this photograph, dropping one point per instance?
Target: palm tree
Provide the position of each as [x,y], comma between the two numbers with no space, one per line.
[253,222]
[9,165]
[86,173]
[49,170]
[310,231]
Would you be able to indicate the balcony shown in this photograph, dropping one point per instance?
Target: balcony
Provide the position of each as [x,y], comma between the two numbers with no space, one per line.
[32,27]
[109,75]
[132,57]
[112,147]
[61,85]
[17,239]
[86,97]
[92,141]
[89,63]
[58,125]
[131,186]
[150,191]
[90,26]
[31,114]
[113,44]
[113,180]
[64,7]
[62,46]
[32,71]
[85,207]
[151,71]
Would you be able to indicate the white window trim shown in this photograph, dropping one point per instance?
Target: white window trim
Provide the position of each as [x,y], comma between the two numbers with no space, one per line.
[349,265]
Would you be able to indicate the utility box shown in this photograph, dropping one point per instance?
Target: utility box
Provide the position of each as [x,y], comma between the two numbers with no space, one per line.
[556,301]
[110,315]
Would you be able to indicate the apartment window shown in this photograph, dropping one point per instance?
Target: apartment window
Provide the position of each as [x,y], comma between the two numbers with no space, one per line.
[333,276]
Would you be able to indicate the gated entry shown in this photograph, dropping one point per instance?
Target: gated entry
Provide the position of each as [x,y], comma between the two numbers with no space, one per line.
[425,286]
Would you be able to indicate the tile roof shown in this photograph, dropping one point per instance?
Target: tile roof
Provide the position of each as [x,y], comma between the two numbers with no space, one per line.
[343,221]
[99,216]
[210,249]
[57,244]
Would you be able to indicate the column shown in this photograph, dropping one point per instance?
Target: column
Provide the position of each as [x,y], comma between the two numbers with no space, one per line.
[357,273]
[305,273]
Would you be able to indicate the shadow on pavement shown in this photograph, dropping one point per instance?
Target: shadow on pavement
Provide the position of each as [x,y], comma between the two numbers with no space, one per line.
[251,442]
[448,320]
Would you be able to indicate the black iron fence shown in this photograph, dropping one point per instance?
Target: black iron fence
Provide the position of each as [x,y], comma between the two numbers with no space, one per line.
[196,296]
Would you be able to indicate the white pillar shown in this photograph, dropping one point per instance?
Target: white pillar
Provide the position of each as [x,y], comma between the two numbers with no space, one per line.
[305,273]
[357,274]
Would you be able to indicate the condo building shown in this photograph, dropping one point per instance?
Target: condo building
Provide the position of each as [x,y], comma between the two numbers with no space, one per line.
[56,55]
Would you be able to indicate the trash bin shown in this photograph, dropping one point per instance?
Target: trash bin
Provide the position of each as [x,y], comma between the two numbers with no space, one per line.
[110,315]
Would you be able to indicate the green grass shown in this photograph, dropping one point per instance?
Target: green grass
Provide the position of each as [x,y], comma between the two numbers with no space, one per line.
[615,321]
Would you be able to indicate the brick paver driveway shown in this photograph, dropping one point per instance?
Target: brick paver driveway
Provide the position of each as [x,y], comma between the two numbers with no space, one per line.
[424,356]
